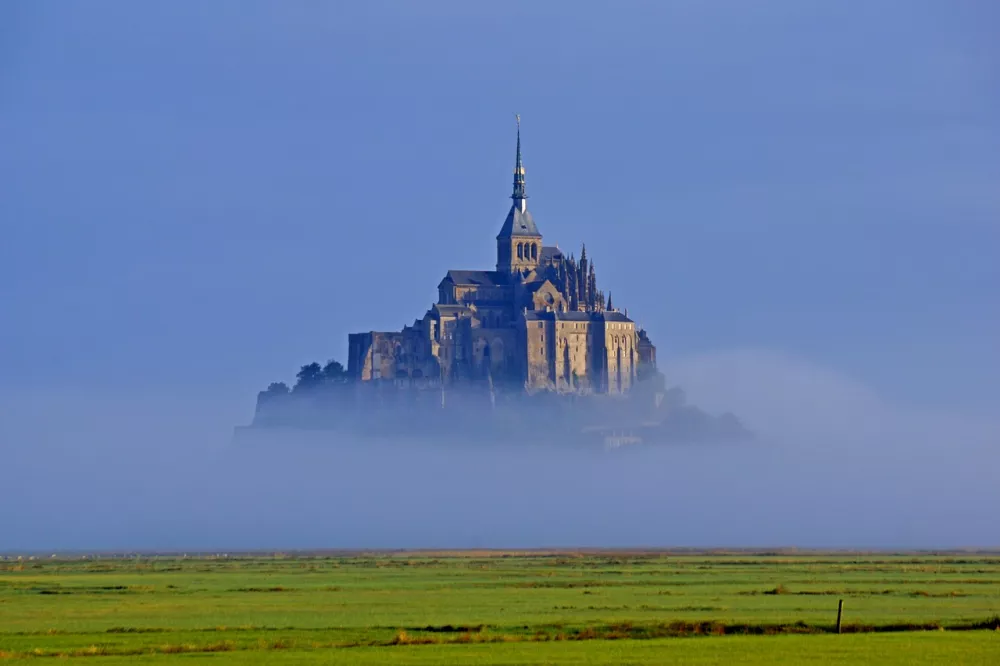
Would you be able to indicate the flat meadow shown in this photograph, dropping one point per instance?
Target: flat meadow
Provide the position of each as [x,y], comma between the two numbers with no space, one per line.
[591,607]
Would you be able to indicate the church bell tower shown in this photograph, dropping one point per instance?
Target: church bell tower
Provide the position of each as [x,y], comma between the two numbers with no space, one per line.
[519,244]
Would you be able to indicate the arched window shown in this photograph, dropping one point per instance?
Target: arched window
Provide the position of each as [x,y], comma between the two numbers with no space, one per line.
[534,251]
[520,251]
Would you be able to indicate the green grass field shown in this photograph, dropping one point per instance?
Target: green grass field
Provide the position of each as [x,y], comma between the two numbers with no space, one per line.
[505,608]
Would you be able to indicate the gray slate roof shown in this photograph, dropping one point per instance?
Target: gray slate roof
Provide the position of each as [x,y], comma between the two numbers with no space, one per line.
[542,315]
[477,278]
[449,309]
[535,285]
[550,252]
[518,224]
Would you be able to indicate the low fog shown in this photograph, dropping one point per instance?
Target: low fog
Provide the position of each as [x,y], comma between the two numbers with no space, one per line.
[834,465]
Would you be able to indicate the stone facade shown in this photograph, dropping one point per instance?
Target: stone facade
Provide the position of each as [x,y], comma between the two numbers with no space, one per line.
[538,320]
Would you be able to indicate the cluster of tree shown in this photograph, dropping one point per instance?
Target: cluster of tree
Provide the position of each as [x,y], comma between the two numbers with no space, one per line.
[310,377]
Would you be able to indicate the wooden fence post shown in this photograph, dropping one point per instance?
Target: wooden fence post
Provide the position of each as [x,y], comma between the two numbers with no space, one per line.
[840,614]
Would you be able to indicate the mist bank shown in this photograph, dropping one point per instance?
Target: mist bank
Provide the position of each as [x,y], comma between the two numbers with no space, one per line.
[839,469]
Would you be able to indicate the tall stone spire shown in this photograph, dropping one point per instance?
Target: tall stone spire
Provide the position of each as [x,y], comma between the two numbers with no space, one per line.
[592,294]
[519,243]
[572,283]
[519,195]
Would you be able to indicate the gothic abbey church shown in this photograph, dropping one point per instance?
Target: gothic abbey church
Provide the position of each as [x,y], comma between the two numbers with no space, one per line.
[538,320]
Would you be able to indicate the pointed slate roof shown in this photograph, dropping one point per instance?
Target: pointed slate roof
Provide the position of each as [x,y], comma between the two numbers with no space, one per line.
[518,223]
[532,287]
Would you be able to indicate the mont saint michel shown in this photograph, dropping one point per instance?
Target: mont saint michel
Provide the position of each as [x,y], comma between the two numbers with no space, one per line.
[539,319]
[532,343]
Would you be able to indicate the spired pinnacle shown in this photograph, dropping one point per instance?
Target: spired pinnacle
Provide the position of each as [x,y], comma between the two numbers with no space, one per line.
[518,196]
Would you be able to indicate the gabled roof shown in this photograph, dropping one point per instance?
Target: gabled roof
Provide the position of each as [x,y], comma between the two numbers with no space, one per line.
[518,223]
[550,253]
[530,276]
[477,278]
[532,287]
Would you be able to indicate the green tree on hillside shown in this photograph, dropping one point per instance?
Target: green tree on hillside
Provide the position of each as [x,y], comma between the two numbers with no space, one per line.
[333,371]
[277,388]
[309,377]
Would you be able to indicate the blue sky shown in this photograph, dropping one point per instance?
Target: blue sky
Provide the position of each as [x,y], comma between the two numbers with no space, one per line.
[798,199]
[203,196]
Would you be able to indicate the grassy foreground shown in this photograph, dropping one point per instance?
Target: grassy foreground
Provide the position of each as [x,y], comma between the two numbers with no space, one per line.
[511,608]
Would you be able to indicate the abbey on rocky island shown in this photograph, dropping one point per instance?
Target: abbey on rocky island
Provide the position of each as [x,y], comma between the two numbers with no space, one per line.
[539,320]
